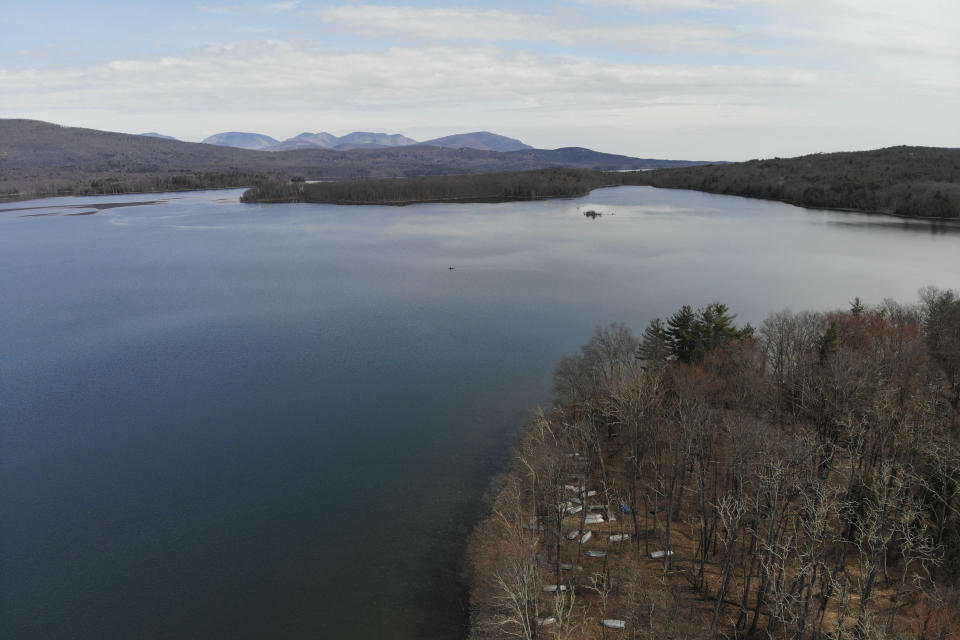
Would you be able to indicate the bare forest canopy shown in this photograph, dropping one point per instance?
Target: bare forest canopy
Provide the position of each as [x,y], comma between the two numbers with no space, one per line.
[905,181]
[797,480]
[39,159]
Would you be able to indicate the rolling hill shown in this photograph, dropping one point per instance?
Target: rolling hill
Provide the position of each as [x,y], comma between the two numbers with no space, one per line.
[307,140]
[39,159]
[366,138]
[241,140]
[478,140]
[904,181]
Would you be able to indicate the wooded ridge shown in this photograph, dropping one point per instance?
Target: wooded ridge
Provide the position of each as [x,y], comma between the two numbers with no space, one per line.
[906,181]
[40,159]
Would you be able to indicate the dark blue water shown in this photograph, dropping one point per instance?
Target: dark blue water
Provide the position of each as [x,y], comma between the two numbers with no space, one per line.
[237,421]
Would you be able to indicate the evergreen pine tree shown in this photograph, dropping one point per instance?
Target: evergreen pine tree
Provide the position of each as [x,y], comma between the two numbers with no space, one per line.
[830,342]
[683,333]
[655,344]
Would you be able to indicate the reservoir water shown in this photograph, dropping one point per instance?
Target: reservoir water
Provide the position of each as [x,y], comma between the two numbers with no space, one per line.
[221,420]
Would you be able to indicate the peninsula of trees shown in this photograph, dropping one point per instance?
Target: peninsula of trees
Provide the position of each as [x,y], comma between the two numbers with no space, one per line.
[906,181]
[798,480]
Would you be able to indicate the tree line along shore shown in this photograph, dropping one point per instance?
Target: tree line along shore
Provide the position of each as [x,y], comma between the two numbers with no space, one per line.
[798,480]
[921,182]
[492,187]
[904,181]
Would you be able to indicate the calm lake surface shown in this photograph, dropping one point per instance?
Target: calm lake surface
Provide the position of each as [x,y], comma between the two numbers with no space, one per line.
[221,420]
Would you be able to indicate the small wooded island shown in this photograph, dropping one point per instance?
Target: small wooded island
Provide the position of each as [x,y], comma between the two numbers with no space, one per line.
[906,181]
[800,480]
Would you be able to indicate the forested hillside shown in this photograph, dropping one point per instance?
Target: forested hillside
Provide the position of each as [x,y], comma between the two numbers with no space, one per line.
[907,181]
[797,480]
[39,159]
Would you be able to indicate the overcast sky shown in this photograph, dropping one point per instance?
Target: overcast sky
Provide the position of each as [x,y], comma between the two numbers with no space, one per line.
[695,79]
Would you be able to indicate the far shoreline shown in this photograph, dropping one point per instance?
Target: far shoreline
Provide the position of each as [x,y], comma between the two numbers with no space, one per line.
[8,199]
[491,199]
[895,181]
[500,200]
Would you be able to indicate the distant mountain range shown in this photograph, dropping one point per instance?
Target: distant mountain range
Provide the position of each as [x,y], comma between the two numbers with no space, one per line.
[482,140]
[39,159]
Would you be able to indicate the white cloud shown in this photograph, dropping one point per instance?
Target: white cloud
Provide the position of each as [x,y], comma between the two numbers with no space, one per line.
[274,72]
[871,36]
[860,74]
[44,51]
[892,30]
[661,5]
[661,110]
[493,25]
[926,29]
[261,7]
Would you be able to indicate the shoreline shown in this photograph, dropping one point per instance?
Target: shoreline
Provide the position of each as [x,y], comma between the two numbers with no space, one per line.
[497,200]
[7,199]
[801,205]
[541,184]
[492,199]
